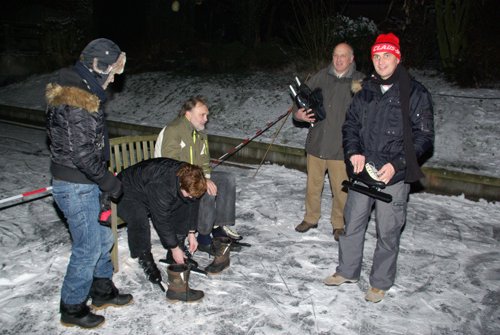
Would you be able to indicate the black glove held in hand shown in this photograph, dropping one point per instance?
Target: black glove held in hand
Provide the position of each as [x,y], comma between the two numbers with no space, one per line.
[105,209]
[112,185]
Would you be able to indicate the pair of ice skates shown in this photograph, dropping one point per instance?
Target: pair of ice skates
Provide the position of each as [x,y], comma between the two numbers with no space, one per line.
[368,183]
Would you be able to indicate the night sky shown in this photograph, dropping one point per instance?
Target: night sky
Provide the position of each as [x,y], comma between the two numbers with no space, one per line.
[224,35]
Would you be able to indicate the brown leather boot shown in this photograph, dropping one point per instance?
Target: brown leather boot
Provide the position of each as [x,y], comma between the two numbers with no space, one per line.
[337,232]
[221,246]
[178,284]
[305,226]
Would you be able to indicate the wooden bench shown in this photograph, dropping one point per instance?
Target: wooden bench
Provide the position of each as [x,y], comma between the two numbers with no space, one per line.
[126,151]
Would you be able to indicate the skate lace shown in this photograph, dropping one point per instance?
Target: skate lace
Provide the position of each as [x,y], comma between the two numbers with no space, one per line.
[372,170]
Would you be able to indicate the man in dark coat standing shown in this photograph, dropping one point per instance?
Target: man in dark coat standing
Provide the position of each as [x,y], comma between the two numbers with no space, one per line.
[389,125]
[324,139]
[79,151]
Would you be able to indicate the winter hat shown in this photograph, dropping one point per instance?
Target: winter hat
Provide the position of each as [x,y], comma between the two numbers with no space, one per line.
[387,43]
[108,54]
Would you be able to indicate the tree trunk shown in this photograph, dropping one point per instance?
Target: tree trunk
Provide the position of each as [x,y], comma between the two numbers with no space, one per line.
[452,20]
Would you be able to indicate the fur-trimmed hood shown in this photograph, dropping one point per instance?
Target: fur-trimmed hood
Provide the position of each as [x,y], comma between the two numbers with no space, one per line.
[356,86]
[356,83]
[56,95]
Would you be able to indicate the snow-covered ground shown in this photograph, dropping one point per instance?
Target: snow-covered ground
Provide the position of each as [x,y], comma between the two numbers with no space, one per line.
[448,278]
[466,120]
[448,271]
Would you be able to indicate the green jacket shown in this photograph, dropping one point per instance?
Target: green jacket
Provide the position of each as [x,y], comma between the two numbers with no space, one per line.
[184,143]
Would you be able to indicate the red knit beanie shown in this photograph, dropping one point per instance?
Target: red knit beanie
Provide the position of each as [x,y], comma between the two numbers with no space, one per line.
[387,43]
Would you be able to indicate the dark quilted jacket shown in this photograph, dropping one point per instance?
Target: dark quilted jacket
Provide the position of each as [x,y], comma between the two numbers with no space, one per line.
[76,130]
[374,128]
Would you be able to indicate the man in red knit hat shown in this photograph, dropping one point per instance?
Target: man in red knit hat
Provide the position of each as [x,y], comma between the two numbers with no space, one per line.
[389,125]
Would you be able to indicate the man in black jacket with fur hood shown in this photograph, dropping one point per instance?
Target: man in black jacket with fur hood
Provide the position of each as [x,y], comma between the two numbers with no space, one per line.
[79,153]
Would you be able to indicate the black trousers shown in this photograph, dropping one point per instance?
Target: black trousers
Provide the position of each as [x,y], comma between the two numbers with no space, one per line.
[139,218]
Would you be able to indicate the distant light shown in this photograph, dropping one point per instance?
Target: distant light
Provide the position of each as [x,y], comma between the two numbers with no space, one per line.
[175,6]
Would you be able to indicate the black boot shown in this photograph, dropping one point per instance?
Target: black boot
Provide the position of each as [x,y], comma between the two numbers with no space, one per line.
[206,248]
[148,264]
[79,315]
[104,294]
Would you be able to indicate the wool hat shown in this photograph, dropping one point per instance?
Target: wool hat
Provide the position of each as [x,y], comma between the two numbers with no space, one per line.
[387,43]
[106,52]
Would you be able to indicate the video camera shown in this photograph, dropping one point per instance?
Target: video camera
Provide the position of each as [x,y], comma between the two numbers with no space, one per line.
[306,98]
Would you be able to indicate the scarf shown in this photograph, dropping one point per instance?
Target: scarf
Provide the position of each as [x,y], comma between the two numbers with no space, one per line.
[401,76]
[96,88]
[92,82]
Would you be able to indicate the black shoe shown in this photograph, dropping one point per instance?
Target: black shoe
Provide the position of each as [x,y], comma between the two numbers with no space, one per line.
[189,260]
[148,264]
[206,248]
[79,315]
[104,294]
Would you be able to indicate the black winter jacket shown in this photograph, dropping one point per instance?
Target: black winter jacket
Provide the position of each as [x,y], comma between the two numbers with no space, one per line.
[154,184]
[76,130]
[374,128]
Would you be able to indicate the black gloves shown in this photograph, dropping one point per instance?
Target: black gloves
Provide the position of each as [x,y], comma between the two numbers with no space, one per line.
[111,185]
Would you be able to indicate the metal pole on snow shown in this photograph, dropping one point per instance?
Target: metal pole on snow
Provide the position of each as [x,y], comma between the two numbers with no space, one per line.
[26,196]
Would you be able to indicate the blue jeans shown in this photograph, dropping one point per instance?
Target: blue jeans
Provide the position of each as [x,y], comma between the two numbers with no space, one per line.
[219,210]
[92,242]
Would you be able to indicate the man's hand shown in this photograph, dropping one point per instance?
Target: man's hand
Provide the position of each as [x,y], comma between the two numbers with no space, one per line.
[193,243]
[178,255]
[304,115]
[211,188]
[358,163]
[386,173]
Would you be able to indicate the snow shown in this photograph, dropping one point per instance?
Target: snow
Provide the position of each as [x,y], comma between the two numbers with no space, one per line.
[448,268]
[466,120]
